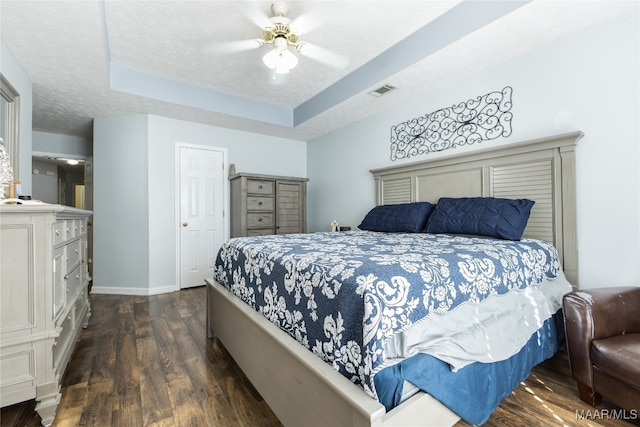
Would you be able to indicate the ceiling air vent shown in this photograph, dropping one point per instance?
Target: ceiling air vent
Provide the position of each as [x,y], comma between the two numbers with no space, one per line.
[382,90]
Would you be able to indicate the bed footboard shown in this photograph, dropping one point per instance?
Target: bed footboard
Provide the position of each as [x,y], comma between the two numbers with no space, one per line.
[300,388]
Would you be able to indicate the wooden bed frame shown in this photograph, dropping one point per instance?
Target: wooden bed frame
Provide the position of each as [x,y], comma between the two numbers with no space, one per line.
[299,387]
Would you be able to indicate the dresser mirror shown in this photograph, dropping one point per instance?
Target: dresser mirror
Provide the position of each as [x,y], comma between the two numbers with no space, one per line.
[10,122]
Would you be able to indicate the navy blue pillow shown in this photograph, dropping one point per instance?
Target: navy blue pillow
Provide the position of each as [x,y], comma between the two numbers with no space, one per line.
[484,216]
[404,217]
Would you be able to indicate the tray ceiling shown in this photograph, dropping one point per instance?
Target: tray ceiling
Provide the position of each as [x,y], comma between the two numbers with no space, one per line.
[105,58]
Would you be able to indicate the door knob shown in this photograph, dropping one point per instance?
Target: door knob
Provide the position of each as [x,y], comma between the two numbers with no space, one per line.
[184,224]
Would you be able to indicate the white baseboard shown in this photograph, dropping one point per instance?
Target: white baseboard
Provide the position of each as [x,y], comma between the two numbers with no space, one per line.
[114,290]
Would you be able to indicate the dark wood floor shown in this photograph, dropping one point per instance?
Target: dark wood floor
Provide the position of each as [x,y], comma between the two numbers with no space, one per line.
[146,361]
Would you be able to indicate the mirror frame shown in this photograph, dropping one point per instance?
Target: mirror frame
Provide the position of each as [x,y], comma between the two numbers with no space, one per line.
[11,120]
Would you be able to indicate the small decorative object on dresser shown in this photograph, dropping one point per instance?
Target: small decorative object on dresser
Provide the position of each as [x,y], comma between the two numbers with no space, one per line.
[44,276]
[6,172]
[265,204]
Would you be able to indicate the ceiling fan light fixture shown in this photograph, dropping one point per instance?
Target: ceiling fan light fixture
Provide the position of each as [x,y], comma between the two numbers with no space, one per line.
[282,61]
[278,33]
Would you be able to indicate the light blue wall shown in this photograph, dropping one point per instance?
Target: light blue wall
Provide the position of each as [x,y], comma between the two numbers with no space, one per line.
[587,81]
[121,204]
[62,145]
[250,152]
[44,182]
[14,73]
[134,193]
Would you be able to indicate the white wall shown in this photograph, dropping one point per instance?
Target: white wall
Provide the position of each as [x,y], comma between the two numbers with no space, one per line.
[135,225]
[22,84]
[587,81]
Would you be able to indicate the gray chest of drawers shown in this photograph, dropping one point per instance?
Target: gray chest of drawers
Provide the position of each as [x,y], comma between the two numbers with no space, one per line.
[265,204]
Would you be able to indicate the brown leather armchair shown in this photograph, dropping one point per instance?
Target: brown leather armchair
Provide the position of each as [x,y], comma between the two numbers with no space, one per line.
[603,342]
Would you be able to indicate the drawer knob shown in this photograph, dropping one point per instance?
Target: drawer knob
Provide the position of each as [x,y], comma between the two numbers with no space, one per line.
[260,187]
[66,277]
[184,224]
[260,219]
[259,203]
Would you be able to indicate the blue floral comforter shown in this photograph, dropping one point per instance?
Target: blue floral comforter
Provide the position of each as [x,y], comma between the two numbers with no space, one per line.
[341,294]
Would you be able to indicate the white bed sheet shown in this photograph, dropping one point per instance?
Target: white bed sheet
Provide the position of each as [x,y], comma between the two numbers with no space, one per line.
[490,331]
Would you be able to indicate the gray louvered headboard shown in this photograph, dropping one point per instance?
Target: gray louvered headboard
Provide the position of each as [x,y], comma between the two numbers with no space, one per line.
[542,170]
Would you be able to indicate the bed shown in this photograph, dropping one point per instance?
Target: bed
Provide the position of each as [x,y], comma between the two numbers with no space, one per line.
[338,385]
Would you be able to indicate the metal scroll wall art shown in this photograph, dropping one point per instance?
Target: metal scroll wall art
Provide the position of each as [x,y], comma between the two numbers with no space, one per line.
[476,120]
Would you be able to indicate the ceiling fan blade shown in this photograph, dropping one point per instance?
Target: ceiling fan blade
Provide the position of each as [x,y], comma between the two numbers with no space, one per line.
[236,46]
[306,23]
[319,16]
[323,56]
[258,17]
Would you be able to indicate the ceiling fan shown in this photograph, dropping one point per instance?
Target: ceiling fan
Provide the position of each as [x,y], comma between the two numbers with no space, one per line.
[282,36]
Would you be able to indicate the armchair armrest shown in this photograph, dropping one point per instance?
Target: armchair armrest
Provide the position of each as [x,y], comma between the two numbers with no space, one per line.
[593,314]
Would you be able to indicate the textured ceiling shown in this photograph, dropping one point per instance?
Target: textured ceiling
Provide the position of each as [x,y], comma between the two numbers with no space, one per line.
[72,50]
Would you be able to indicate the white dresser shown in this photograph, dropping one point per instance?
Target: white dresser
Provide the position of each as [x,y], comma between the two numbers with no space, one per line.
[44,300]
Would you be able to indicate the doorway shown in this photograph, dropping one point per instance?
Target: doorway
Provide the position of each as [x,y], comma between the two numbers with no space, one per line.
[202,190]
[54,180]
[78,198]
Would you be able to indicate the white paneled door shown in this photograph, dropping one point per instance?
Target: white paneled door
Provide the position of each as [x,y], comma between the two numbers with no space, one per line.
[202,187]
